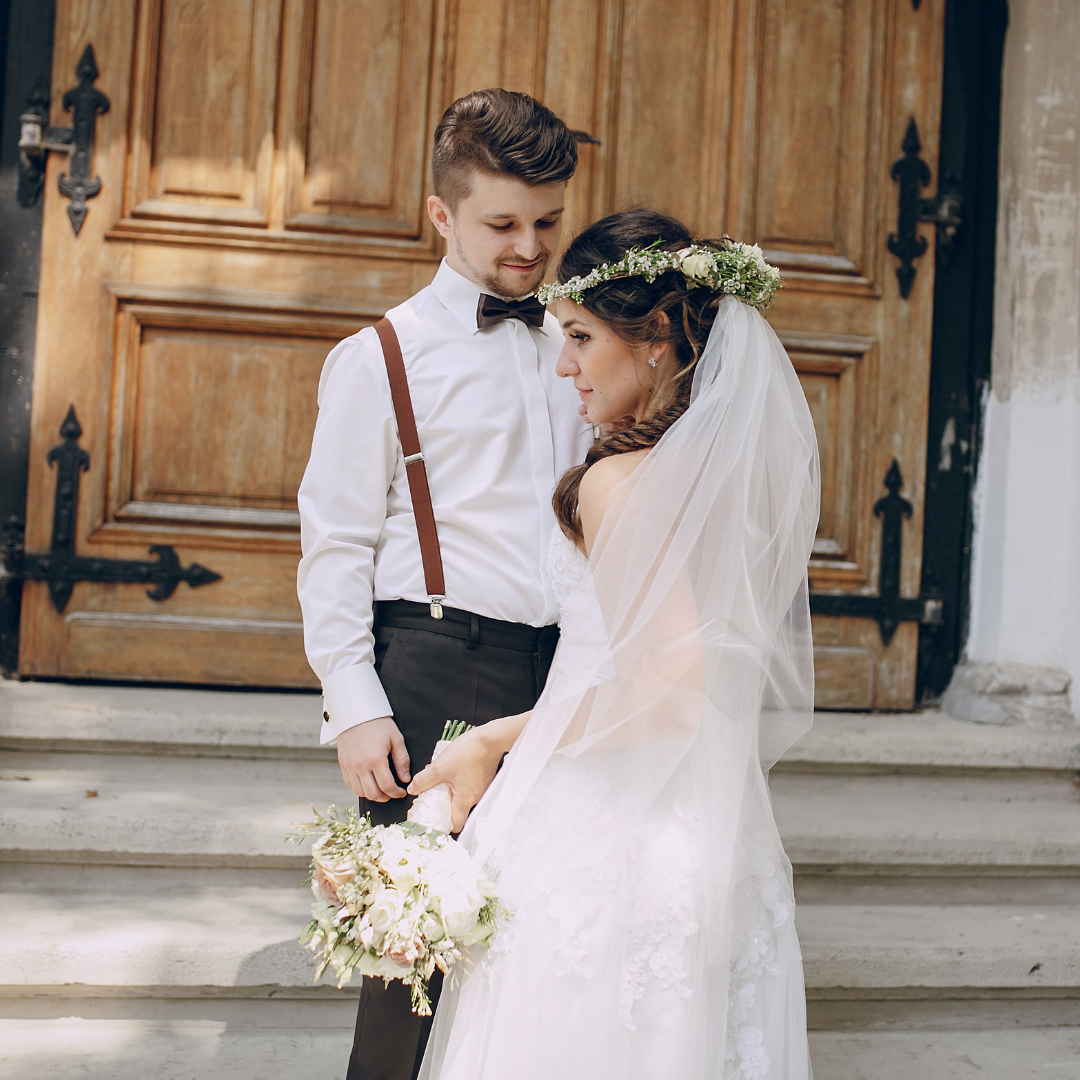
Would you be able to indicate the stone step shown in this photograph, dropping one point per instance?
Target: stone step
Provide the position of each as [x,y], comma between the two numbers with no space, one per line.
[102,808]
[274,1047]
[863,950]
[1036,1053]
[995,823]
[928,742]
[123,931]
[142,720]
[281,1047]
[152,720]
[182,811]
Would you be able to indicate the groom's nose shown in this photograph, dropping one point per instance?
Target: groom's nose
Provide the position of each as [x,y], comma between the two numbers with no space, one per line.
[527,245]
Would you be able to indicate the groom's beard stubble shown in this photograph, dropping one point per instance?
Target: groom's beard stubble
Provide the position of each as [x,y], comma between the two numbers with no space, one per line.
[506,284]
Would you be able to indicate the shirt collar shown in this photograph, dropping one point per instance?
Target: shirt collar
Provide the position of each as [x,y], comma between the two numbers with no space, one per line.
[460,296]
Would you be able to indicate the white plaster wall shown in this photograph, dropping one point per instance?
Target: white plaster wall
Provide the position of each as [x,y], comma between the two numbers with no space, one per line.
[1026,556]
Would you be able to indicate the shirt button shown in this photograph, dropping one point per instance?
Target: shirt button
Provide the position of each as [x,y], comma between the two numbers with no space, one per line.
[326,717]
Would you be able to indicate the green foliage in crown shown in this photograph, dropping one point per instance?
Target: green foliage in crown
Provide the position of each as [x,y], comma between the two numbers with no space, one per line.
[732,268]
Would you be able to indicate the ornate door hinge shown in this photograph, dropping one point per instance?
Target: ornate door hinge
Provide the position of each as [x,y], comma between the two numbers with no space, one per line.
[943,211]
[889,608]
[61,567]
[37,137]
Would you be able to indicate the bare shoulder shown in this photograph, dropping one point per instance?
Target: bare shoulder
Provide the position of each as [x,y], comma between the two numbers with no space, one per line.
[596,487]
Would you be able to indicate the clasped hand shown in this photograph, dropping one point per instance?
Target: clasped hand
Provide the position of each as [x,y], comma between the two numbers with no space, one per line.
[467,766]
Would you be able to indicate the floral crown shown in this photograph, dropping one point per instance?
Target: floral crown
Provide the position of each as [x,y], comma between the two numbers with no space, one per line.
[733,268]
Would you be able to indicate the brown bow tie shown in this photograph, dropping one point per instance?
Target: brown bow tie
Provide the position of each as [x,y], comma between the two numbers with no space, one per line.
[491,310]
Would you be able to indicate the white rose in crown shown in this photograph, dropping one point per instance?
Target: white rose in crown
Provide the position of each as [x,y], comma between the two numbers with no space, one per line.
[758,256]
[698,266]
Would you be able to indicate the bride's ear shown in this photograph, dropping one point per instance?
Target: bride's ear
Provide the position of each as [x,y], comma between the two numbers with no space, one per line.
[661,327]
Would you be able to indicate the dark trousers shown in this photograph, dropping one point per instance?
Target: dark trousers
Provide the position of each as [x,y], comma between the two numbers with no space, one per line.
[461,667]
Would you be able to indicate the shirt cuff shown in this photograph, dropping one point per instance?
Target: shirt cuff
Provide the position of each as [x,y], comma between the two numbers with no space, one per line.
[351,696]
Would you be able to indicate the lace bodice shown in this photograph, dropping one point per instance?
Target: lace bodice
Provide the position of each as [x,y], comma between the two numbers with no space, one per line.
[566,567]
[581,622]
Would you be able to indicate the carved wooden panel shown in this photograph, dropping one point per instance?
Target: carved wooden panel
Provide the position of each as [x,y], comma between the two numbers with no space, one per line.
[205,118]
[817,122]
[671,109]
[223,418]
[214,409]
[837,375]
[361,117]
[504,43]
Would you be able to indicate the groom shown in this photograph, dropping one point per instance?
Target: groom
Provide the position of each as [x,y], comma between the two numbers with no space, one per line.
[398,650]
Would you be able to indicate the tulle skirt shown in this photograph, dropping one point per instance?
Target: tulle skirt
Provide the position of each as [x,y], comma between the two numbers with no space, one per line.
[611,964]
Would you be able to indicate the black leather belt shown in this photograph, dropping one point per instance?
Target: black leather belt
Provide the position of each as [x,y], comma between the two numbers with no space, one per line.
[466,625]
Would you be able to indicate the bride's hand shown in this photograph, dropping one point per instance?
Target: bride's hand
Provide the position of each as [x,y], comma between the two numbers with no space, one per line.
[467,766]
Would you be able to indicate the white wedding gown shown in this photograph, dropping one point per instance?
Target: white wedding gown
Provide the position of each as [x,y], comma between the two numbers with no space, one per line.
[602,971]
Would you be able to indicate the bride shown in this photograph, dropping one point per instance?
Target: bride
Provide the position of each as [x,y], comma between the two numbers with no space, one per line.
[649,928]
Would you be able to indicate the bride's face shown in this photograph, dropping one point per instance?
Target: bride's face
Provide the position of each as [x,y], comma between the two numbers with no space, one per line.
[613,378]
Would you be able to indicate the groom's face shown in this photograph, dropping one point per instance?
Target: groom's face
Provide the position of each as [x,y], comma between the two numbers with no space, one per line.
[503,234]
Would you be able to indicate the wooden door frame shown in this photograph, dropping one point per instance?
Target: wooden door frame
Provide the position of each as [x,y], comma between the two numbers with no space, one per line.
[963,326]
[26,47]
[960,349]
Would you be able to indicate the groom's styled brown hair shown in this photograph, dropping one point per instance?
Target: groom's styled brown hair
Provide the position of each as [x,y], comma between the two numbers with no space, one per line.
[502,133]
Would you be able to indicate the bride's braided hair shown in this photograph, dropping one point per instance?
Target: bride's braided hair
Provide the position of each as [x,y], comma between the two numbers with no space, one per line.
[631,307]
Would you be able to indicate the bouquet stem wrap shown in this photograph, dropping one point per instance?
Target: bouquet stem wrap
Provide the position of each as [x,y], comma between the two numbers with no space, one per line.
[432,808]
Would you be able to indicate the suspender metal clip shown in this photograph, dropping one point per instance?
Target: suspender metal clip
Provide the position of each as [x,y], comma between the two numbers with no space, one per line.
[410,458]
[436,606]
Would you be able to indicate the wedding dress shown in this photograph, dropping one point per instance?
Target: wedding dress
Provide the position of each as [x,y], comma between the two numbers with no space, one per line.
[649,929]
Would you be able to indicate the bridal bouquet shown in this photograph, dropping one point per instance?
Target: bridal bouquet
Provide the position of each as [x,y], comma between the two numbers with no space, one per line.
[396,901]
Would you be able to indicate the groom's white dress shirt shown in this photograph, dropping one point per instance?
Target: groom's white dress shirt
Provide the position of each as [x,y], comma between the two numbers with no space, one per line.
[497,427]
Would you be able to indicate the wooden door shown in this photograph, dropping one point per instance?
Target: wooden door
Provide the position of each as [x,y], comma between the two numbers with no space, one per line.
[264,167]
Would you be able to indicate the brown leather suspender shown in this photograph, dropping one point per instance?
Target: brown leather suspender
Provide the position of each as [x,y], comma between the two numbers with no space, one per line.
[415,469]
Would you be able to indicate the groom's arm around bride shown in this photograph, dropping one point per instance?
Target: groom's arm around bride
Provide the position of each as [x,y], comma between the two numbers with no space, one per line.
[496,427]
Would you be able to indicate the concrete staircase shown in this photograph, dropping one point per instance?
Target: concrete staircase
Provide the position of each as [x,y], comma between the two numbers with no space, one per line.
[149,906]
[937,873]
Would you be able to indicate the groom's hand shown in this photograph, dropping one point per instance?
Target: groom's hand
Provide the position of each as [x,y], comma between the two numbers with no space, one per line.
[364,754]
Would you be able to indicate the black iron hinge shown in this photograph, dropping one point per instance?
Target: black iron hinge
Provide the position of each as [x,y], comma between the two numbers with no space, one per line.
[37,138]
[888,607]
[61,567]
[943,211]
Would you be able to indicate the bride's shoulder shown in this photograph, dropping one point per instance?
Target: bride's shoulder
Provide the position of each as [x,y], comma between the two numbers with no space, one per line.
[597,484]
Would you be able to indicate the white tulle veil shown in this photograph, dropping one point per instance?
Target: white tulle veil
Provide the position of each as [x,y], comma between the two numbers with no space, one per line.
[701,679]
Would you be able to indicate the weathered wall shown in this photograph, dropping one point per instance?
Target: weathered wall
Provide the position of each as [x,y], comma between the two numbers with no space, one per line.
[1026,560]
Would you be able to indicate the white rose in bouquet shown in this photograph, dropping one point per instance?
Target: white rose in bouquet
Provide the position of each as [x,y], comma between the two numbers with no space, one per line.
[385,909]
[460,910]
[401,858]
